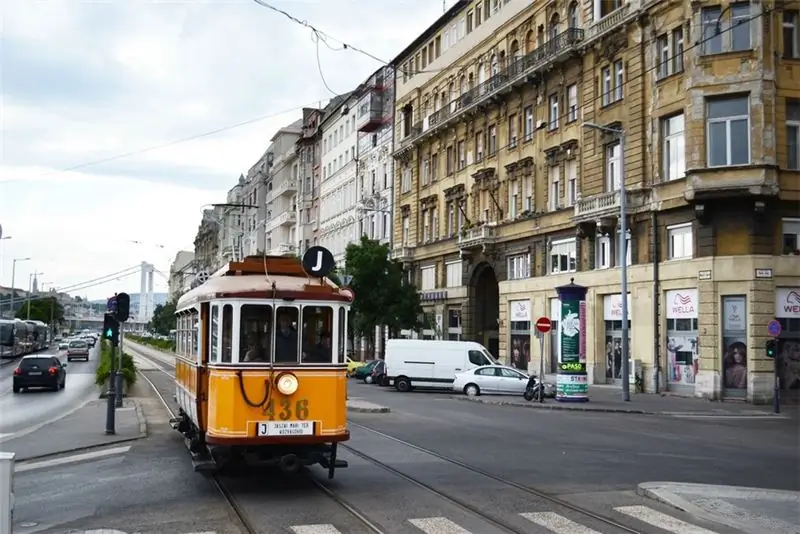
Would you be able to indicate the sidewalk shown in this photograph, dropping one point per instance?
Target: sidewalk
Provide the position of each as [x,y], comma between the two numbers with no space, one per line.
[357,405]
[609,399]
[751,510]
[83,429]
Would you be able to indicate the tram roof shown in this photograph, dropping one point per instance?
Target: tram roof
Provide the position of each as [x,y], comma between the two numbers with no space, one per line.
[263,277]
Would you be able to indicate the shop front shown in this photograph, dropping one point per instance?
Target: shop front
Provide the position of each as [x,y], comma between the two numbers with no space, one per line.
[787,311]
[682,356]
[612,318]
[734,346]
[519,314]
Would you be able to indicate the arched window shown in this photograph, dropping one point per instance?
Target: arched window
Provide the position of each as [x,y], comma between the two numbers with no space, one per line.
[471,81]
[481,73]
[572,15]
[552,31]
[436,102]
[495,65]
[530,42]
[515,51]
[462,85]
[451,95]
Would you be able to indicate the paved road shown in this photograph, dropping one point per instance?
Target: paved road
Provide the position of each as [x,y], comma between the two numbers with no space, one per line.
[402,476]
[24,410]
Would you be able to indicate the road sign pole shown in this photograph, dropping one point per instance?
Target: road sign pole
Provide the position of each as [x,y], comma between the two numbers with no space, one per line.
[111,398]
[541,367]
[119,377]
[774,328]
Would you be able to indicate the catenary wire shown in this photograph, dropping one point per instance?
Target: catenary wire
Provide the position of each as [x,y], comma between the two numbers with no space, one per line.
[100,280]
[46,295]
[296,108]
[316,38]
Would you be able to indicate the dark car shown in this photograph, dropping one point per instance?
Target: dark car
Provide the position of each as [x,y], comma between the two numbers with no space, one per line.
[40,372]
[378,374]
[364,371]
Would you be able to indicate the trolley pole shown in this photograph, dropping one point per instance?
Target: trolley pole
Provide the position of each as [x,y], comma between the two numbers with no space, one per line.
[118,378]
[111,400]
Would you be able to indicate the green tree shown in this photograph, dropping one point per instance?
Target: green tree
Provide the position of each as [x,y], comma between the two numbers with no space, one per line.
[163,319]
[41,309]
[383,296]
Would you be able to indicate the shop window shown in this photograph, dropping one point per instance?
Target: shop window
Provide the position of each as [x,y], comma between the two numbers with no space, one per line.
[520,353]
[613,349]
[454,324]
[734,345]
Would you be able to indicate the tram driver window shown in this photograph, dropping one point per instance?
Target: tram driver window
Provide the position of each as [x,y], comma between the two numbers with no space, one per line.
[227,333]
[316,339]
[255,331]
[214,335]
[287,341]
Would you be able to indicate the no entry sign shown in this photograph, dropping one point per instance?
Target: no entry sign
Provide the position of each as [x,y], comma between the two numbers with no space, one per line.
[543,325]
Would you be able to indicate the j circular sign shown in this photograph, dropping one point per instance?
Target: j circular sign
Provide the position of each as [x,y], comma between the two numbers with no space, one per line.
[543,325]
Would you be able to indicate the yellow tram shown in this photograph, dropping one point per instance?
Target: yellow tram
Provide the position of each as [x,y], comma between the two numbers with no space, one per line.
[260,370]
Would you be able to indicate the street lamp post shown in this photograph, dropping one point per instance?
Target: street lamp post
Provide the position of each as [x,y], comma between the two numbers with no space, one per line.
[13,280]
[623,253]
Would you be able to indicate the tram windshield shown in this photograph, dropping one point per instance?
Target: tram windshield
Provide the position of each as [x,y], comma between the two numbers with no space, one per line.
[289,334]
[6,334]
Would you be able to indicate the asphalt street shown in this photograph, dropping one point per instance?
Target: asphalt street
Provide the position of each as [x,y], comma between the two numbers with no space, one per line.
[522,471]
[21,411]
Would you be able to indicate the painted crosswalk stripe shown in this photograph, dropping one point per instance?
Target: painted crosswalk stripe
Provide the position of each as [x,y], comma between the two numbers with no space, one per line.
[557,523]
[96,455]
[325,528]
[437,525]
[662,521]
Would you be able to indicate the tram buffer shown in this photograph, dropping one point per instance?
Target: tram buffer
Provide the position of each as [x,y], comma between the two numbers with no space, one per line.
[119,312]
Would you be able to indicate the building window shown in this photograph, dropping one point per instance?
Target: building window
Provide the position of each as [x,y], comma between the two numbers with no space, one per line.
[572,103]
[602,250]
[563,254]
[426,225]
[434,167]
[714,26]
[552,123]
[619,79]
[513,199]
[673,154]
[613,167]
[669,50]
[462,155]
[449,165]
[791,34]
[426,171]
[740,26]
[405,179]
[428,278]
[454,324]
[613,78]
[478,147]
[793,134]
[406,231]
[519,266]
[679,240]
[451,220]
[791,236]
[528,123]
[555,187]
[492,140]
[454,274]
[512,131]
[572,181]
[728,131]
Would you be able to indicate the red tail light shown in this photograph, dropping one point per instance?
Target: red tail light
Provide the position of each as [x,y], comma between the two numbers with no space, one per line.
[53,370]
[17,371]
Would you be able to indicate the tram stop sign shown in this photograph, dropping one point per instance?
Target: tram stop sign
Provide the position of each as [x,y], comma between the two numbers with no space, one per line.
[318,261]
[543,325]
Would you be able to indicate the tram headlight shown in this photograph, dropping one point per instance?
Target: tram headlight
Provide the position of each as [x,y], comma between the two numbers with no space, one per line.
[287,383]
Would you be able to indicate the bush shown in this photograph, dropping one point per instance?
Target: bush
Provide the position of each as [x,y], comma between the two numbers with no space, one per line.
[160,344]
[108,365]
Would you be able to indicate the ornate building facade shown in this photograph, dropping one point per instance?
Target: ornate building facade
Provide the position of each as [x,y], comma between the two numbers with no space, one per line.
[516,125]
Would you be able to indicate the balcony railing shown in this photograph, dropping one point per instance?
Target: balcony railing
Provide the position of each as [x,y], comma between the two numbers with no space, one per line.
[516,71]
[403,254]
[283,249]
[288,187]
[609,22]
[606,203]
[285,218]
[477,237]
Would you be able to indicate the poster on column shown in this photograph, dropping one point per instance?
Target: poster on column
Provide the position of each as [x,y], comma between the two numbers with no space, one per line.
[571,386]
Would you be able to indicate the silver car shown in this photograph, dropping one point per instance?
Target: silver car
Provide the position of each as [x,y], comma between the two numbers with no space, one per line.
[491,380]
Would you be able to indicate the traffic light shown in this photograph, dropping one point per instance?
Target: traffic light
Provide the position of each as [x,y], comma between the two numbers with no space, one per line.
[111,329]
[123,307]
[772,348]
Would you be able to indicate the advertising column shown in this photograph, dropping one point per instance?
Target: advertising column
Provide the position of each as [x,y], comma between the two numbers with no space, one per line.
[572,382]
[682,358]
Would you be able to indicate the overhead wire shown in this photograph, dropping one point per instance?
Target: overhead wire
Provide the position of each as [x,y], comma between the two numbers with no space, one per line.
[100,280]
[48,294]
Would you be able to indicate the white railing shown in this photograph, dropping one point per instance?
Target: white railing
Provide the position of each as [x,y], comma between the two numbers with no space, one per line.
[597,204]
[289,186]
[6,491]
[401,253]
[477,236]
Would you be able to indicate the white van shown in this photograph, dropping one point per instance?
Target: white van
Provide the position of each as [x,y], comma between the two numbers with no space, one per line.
[432,364]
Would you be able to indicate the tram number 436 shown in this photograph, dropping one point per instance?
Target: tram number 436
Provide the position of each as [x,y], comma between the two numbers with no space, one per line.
[286,410]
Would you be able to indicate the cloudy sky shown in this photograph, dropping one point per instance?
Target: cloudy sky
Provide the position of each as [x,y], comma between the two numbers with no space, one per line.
[88,85]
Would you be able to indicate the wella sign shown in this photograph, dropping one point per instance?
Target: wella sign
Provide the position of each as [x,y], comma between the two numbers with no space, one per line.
[681,304]
[787,302]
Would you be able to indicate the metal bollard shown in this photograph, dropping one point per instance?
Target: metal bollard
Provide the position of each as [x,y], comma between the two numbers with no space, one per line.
[6,491]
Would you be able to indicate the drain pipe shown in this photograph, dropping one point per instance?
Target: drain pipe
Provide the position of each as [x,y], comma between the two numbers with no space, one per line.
[656,302]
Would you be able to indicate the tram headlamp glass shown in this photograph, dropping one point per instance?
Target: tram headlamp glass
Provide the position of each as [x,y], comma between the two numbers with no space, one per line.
[287,383]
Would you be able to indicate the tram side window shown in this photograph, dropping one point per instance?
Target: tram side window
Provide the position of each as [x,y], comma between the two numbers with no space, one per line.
[214,345]
[287,341]
[227,333]
[255,331]
[195,332]
[342,337]
[316,338]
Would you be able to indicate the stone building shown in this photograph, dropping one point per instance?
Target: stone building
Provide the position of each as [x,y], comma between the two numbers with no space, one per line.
[518,121]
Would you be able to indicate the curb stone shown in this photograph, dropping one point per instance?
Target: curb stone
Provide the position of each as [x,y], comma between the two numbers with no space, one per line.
[377,409]
[579,408]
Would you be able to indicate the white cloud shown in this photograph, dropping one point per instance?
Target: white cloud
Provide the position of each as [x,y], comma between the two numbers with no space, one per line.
[89,81]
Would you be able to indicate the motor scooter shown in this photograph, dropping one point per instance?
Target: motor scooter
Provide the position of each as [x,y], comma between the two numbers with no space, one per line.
[534,390]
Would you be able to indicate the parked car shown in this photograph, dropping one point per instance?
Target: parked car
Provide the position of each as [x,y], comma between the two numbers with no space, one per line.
[36,371]
[361,373]
[352,365]
[495,380]
[378,374]
[78,349]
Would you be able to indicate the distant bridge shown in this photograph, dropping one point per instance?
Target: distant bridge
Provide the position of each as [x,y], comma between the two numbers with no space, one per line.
[96,323]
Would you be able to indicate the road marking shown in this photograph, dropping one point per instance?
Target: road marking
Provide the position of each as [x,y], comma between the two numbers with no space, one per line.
[22,467]
[557,523]
[437,525]
[325,528]
[663,521]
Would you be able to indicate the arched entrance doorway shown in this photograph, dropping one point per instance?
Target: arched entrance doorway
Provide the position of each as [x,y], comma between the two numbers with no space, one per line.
[484,298]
